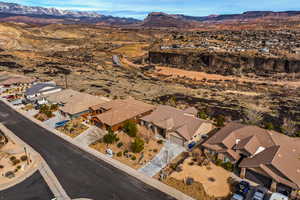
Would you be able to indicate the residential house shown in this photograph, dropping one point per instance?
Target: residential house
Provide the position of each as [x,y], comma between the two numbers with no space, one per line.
[115,113]
[178,126]
[79,104]
[8,80]
[262,155]
[38,89]
[62,97]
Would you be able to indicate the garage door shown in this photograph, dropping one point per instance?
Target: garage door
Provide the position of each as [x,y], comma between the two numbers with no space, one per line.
[176,140]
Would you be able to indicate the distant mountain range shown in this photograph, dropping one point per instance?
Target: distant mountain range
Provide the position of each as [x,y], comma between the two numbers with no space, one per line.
[13,8]
[11,12]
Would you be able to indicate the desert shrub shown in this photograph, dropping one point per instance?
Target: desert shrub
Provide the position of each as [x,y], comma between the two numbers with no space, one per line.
[47,110]
[218,162]
[19,167]
[15,162]
[24,158]
[155,150]
[202,115]
[130,128]
[173,166]
[160,141]
[12,158]
[137,146]
[54,107]
[228,166]
[1,166]
[119,154]
[191,163]
[110,137]
[125,152]
[220,120]
[120,144]
[133,158]
[269,126]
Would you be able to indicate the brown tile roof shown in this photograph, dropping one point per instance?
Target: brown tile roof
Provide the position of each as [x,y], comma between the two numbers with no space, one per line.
[119,111]
[248,144]
[191,110]
[81,102]
[10,79]
[172,119]
[277,154]
[62,97]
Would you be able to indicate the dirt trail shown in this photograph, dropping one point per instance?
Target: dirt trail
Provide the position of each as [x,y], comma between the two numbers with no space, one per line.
[173,72]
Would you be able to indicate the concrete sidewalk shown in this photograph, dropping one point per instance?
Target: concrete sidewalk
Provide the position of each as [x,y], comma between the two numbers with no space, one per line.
[130,171]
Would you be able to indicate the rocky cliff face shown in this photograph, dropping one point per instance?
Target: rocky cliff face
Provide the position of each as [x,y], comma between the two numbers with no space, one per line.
[159,19]
[224,63]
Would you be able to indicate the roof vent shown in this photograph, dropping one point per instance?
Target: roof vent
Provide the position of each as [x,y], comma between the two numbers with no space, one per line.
[237,141]
[259,149]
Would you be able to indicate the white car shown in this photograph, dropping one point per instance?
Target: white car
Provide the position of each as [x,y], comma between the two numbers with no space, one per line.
[237,197]
[278,196]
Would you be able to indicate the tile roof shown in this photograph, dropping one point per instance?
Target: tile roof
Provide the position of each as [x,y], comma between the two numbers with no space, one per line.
[118,111]
[173,119]
[277,154]
[80,102]
[10,79]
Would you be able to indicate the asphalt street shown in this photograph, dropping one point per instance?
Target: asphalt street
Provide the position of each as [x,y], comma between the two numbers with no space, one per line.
[81,174]
[33,188]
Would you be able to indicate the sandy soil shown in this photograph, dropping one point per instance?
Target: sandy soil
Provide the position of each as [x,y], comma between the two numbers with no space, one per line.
[6,152]
[150,150]
[201,174]
[78,128]
[179,73]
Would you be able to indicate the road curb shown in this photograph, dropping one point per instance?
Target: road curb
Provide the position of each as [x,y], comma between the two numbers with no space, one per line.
[132,172]
[41,165]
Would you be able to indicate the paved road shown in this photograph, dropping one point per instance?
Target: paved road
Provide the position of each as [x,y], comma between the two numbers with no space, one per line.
[81,174]
[33,188]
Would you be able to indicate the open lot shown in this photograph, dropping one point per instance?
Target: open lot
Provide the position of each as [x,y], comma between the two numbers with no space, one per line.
[213,178]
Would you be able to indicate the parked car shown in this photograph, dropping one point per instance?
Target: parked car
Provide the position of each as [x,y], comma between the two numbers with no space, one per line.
[204,136]
[192,144]
[259,193]
[278,196]
[243,188]
[62,123]
[237,197]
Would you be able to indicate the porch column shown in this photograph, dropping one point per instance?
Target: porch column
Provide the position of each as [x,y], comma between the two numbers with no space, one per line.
[243,172]
[155,130]
[273,187]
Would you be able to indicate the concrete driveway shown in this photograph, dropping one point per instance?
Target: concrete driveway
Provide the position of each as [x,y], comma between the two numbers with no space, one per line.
[164,157]
[81,174]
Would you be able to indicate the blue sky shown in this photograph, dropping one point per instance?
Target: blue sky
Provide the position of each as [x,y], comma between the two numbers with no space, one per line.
[140,8]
